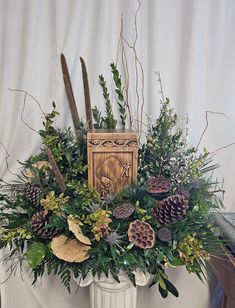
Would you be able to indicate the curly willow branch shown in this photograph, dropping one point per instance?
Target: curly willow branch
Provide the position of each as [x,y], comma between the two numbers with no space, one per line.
[23,108]
[124,63]
[207,124]
[6,161]
[140,105]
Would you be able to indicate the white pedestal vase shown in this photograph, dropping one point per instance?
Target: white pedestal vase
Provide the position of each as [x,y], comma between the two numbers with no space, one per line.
[108,293]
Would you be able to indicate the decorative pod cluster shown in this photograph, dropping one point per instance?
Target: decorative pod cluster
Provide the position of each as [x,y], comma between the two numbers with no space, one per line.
[171,209]
[158,186]
[33,194]
[124,211]
[164,235]
[142,234]
[39,221]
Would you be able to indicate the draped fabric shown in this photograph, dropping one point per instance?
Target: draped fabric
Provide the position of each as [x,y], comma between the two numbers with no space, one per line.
[191,43]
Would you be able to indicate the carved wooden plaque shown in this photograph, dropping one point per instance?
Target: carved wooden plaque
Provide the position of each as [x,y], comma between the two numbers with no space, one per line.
[112,160]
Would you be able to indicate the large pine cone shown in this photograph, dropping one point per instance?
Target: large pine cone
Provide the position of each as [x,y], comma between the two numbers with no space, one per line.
[33,194]
[123,211]
[158,186]
[171,209]
[142,234]
[39,221]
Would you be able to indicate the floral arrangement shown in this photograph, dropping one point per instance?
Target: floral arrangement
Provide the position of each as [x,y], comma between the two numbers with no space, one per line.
[53,220]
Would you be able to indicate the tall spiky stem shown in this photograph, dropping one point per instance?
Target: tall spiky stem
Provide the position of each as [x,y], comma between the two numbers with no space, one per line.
[69,91]
[86,94]
[59,177]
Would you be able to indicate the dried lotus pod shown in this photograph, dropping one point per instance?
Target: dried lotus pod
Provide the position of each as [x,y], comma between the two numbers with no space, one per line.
[75,228]
[142,234]
[164,235]
[171,209]
[158,186]
[123,211]
[69,250]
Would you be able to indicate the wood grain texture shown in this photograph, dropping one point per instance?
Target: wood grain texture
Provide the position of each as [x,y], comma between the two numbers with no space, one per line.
[112,160]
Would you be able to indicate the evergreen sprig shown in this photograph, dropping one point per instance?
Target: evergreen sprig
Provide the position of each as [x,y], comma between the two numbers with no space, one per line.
[109,122]
[120,94]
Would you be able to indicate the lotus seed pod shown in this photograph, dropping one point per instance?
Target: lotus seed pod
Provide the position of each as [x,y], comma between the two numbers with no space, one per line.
[124,211]
[158,187]
[142,234]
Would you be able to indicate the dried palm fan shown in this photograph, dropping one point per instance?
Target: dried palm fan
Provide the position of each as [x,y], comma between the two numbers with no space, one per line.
[69,91]
[86,94]
[59,177]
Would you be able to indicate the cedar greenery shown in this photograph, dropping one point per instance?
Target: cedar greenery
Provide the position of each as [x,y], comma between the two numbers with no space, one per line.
[120,94]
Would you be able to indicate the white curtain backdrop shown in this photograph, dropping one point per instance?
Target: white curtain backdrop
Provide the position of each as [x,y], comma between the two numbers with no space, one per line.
[191,43]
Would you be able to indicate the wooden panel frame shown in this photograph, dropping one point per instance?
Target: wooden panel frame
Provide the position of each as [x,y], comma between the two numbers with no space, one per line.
[112,159]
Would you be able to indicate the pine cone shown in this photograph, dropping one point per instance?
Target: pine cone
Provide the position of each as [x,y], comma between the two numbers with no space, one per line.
[183,192]
[124,211]
[171,209]
[33,193]
[158,187]
[142,234]
[164,235]
[39,221]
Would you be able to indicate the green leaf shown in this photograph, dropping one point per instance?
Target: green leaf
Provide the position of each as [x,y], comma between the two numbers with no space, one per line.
[35,254]
[160,257]
[2,244]
[68,155]
[171,288]
[162,283]
[176,261]
[164,293]
[154,280]
[130,246]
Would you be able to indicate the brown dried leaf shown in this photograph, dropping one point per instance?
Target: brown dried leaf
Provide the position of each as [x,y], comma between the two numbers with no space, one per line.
[69,250]
[75,228]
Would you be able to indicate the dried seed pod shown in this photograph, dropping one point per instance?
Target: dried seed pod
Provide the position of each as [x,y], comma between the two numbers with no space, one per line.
[171,209]
[142,234]
[164,235]
[124,211]
[158,187]
[69,250]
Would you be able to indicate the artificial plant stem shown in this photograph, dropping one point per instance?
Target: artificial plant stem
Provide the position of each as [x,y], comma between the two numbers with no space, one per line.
[59,177]
[86,94]
[69,91]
